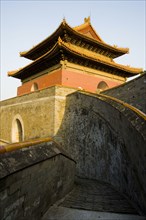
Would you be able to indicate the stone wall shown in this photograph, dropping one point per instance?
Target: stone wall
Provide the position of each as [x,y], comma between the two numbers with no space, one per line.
[106,138]
[132,92]
[32,179]
[108,141]
[33,110]
[36,110]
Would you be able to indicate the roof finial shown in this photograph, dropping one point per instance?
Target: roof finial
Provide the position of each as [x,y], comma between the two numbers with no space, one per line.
[87,20]
[64,21]
[90,16]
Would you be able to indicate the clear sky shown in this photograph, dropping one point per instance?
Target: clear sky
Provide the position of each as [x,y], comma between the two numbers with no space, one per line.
[26,23]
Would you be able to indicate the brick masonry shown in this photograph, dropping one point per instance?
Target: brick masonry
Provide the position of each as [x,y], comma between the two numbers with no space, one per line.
[32,179]
[37,111]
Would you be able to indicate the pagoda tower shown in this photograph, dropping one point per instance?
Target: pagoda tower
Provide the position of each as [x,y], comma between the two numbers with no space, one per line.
[74,57]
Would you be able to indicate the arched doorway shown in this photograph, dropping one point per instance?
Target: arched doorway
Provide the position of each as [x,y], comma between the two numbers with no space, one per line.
[17,130]
[34,87]
[102,85]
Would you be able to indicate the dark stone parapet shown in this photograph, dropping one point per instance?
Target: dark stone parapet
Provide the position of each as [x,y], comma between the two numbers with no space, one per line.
[32,179]
[29,154]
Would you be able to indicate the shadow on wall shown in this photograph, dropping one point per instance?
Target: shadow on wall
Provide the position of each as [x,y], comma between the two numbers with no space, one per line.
[104,139]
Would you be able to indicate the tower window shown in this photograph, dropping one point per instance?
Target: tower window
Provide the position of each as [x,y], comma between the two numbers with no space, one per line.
[102,85]
[34,87]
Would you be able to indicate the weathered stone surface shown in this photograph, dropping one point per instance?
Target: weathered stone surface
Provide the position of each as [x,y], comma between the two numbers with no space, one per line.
[133,92]
[107,140]
[13,161]
[37,111]
[32,179]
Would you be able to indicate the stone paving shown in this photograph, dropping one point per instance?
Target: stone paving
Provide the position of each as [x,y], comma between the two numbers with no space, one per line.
[91,199]
[97,196]
[63,213]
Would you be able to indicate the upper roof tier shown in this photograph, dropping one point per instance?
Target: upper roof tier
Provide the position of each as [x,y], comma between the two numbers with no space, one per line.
[84,36]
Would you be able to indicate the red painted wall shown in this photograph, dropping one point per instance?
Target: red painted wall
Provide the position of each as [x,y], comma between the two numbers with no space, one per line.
[87,82]
[42,82]
[67,78]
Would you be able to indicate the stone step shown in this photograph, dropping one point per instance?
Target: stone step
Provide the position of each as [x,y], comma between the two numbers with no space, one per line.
[63,213]
[92,199]
[97,196]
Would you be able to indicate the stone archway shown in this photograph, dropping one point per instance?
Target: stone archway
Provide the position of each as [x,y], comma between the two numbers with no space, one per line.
[17,129]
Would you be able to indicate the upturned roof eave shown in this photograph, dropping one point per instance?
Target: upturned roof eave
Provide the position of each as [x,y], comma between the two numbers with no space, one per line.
[88,24]
[42,43]
[122,51]
[61,45]
[132,71]
[40,59]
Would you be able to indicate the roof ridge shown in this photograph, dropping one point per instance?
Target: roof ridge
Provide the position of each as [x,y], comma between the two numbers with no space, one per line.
[87,23]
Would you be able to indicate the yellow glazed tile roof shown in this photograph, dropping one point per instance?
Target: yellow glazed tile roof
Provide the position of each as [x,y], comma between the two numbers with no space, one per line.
[87,24]
[81,52]
[98,57]
[77,31]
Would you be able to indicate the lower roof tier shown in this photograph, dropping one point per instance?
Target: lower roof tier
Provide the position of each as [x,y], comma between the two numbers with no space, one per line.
[73,54]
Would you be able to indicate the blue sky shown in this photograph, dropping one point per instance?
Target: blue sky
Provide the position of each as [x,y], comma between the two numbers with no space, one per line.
[26,23]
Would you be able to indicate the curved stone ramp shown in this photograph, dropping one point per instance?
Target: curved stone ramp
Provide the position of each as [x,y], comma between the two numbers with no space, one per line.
[92,199]
[107,139]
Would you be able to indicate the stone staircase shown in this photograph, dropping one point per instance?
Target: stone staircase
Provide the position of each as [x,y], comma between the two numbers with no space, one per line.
[91,199]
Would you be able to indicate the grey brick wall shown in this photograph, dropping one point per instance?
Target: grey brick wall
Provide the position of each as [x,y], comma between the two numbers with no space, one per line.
[28,191]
